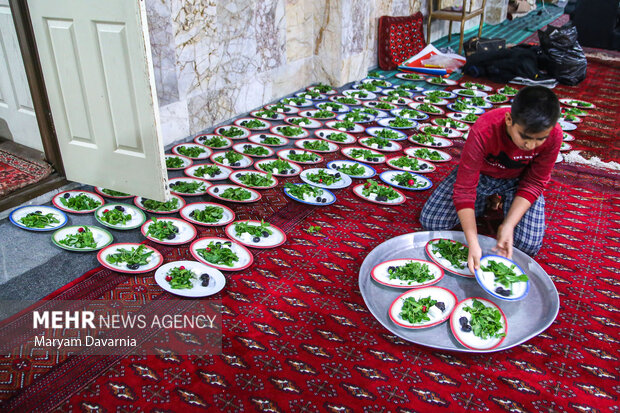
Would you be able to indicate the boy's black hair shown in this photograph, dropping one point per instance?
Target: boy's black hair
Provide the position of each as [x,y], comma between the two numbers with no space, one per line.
[535,108]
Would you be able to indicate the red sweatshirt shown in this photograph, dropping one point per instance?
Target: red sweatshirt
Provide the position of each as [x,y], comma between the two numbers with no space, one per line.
[490,151]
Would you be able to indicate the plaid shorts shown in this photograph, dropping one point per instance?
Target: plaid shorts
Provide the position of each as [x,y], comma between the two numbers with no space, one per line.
[439,212]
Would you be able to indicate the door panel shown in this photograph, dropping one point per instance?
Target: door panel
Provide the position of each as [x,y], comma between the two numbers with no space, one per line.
[95,58]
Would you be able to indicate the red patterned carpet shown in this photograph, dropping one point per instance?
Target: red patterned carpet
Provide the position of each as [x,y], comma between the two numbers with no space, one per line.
[16,172]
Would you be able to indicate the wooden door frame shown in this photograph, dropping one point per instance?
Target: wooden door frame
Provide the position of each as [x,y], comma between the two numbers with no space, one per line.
[34,74]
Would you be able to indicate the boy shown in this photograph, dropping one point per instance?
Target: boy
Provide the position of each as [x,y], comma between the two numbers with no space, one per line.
[510,152]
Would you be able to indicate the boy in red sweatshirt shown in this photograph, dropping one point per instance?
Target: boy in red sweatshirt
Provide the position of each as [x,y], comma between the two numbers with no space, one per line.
[510,152]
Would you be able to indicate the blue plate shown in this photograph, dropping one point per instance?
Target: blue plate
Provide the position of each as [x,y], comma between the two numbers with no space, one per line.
[331,198]
[373,132]
[522,290]
[387,175]
[21,212]
[370,170]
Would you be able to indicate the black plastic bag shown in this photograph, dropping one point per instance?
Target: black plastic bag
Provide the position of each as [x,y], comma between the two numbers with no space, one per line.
[567,62]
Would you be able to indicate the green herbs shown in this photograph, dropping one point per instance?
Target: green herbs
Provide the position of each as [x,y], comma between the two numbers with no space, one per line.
[158,206]
[412,76]
[336,137]
[218,253]
[438,94]
[425,107]
[486,322]
[401,123]
[573,111]
[282,167]
[356,115]
[382,193]
[310,94]
[426,153]
[365,154]
[208,214]
[504,275]
[416,311]
[331,106]
[451,123]
[374,74]
[134,257]
[346,125]
[473,85]
[255,179]
[570,118]
[236,194]
[346,100]
[272,140]
[214,141]
[424,138]
[385,106]
[388,134]
[323,114]
[463,107]
[267,113]
[322,88]
[437,81]
[317,145]
[509,90]
[111,192]
[297,101]
[407,180]
[453,251]
[174,162]
[255,150]
[83,238]
[162,230]
[406,162]
[435,130]
[38,220]
[412,272]
[298,191]
[302,156]
[180,278]
[299,122]
[231,131]
[290,130]
[231,156]
[313,229]
[411,113]
[399,92]
[474,101]
[468,92]
[470,118]
[115,216]
[80,202]
[497,98]
[187,187]
[358,94]
[211,170]
[324,177]
[261,230]
[376,140]
[253,124]
[191,151]
[368,86]
[353,169]
[431,99]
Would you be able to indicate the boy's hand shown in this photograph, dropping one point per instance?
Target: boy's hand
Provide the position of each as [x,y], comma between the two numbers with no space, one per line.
[473,258]
[505,235]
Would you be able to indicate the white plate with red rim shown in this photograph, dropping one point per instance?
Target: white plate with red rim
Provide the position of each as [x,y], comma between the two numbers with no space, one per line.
[421,153]
[213,141]
[565,147]
[200,191]
[435,314]
[409,113]
[504,92]
[435,143]
[358,190]
[440,131]
[286,155]
[294,169]
[244,162]
[204,154]
[343,182]
[317,114]
[396,100]
[451,123]
[254,124]
[327,133]
[378,131]
[323,89]
[391,122]
[268,139]
[264,114]
[438,259]
[381,275]
[275,239]
[139,202]
[421,162]
[369,172]
[66,195]
[487,279]
[410,76]
[468,339]
[290,132]
[233,132]
[333,107]
[102,191]
[338,125]
[567,125]
[560,158]
[152,261]
[297,102]
[391,146]
[380,105]
[303,122]
[468,109]
[476,86]
[567,137]
[377,157]
[282,108]
[490,100]
[201,172]
[573,111]
[217,281]
[414,179]
[188,214]
[244,149]
[444,82]
[216,191]
[245,257]
[346,100]
[359,94]
[466,93]
[427,108]
[430,100]
[461,117]
[443,94]
[137,217]
[577,103]
[331,147]
[186,231]
[102,237]
[235,178]
[571,119]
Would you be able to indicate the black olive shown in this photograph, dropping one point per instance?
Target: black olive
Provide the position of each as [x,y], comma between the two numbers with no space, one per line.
[236,164]
[133,266]
[292,151]
[67,195]
[375,159]
[263,136]
[424,166]
[246,146]
[218,243]
[204,276]
[216,190]
[337,175]
[191,214]
[228,243]
[318,199]
[324,200]
[380,146]
[286,110]
[175,229]
[274,116]
[205,283]
[308,113]
[466,328]
[256,239]
[119,208]
[391,269]
[38,212]
[172,235]
[265,234]
[441,306]
[321,134]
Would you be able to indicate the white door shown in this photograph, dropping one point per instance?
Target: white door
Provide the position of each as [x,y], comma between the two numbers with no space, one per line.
[16,109]
[97,69]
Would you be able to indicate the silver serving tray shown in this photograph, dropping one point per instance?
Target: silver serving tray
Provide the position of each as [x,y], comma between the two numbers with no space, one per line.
[526,318]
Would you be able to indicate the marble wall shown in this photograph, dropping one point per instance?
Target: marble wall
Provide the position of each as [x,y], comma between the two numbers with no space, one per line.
[214,59]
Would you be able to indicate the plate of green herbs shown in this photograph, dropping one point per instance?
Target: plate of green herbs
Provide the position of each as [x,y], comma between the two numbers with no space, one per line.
[190,279]
[427,108]
[397,123]
[478,324]
[379,105]
[174,204]
[422,307]
[77,202]
[449,254]
[451,123]
[428,154]
[233,132]
[407,273]
[253,149]
[267,114]
[333,106]
[290,131]
[300,156]
[502,278]
[177,162]
[213,141]
[169,231]
[110,193]
[278,167]
[344,126]
[297,101]
[352,168]
[120,216]
[463,117]
[441,131]
[130,258]
[476,86]
[268,139]
[362,154]
[443,94]
[256,234]
[304,122]
[335,136]
[281,108]
[508,91]
[426,139]
[325,178]
[379,194]
[410,76]
[358,115]
[440,81]
[317,145]
[396,100]
[313,95]
[187,186]
[386,133]
[210,172]
[433,100]
[411,164]
[380,144]
[38,218]
[406,180]
[234,193]
[409,113]
[322,88]
[231,159]
[253,179]
[192,150]
[221,253]
[207,214]
[470,93]
[252,123]
[576,103]
[309,194]
[82,238]
[317,114]
[465,108]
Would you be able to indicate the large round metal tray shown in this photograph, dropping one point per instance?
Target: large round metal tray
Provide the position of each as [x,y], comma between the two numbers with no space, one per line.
[526,318]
